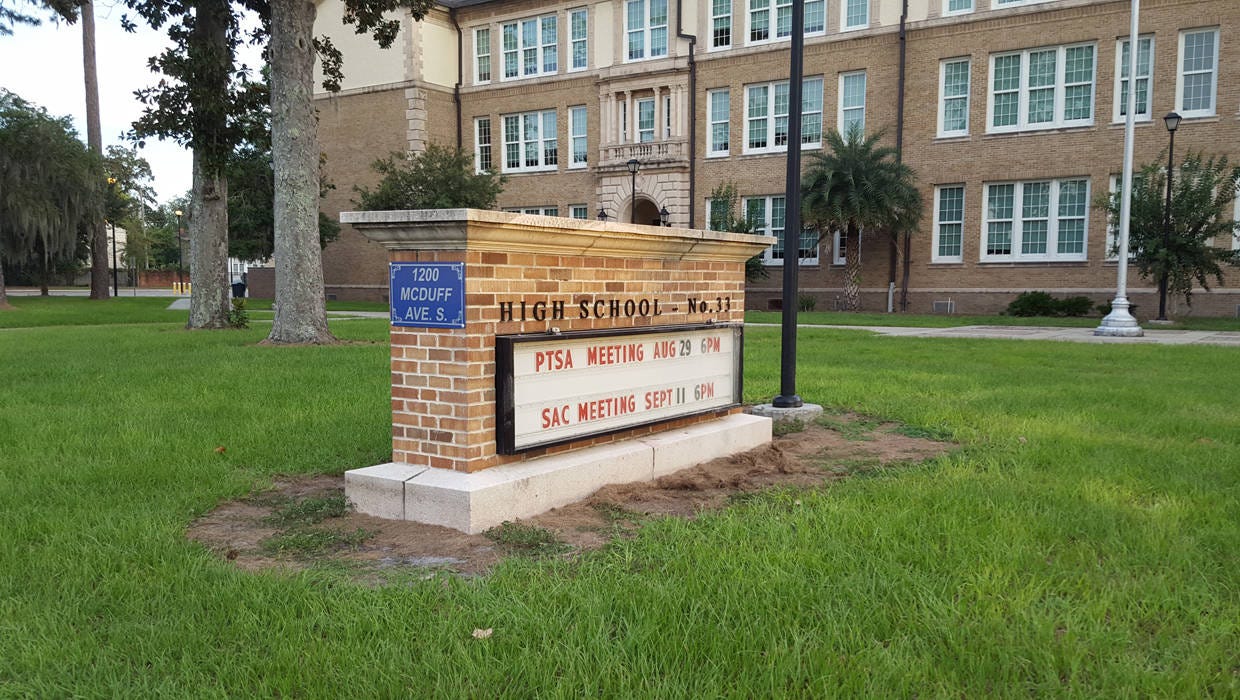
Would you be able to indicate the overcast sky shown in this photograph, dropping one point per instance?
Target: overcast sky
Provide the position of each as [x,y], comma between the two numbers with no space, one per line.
[43,65]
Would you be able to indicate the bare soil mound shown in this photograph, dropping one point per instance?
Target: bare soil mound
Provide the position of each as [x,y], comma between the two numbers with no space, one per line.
[305,521]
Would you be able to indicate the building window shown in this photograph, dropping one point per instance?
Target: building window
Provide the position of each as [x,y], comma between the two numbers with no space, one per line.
[766,216]
[482,144]
[1235,238]
[646,28]
[579,28]
[645,120]
[537,211]
[482,55]
[766,116]
[852,101]
[530,47]
[996,4]
[577,137]
[1035,221]
[667,117]
[856,15]
[948,224]
[530,142]
[1042,88]
[763,13]
[1145,56]
[954,97]
[623,107]
[1197,78]
[720,24]
[720,128]
[957,7]
[1112,238]
[579,211]
[839,247]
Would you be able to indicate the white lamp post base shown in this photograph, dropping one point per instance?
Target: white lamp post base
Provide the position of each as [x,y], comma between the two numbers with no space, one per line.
[1119,323]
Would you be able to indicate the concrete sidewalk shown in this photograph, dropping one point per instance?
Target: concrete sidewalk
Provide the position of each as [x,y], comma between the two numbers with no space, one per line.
[1075,335]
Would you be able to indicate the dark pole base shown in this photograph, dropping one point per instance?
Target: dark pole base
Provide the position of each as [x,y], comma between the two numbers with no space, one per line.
[792,401]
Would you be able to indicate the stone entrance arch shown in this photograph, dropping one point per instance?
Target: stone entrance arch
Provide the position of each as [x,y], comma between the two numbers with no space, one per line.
[643,211]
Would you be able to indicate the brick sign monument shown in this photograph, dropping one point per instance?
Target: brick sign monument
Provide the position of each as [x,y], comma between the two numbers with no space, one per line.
[536,359]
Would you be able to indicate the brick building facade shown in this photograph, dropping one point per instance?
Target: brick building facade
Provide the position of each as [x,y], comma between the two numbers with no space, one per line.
[1012,122]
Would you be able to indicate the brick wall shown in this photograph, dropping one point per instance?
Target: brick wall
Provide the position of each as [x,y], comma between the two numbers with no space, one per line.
[443,380]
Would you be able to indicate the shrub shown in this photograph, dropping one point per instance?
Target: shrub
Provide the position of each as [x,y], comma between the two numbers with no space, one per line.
[1032,304]
[806,302]
[1043,304]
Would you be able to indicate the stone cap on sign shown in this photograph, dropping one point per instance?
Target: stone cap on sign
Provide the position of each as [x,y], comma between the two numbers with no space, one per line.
[496,231]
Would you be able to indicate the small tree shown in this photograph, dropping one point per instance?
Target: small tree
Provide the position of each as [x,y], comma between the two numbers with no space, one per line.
[251,194]
[1201,197]
[725,215]
[438,178]
[856,185]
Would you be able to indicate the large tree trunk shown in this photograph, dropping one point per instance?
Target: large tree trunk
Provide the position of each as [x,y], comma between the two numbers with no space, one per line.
[4,292]
[208,249]
[208,207]
[301,315]
[94,139]
[852,269]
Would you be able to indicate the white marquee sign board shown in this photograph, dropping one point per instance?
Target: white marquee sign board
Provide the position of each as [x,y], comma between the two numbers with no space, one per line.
[554,388]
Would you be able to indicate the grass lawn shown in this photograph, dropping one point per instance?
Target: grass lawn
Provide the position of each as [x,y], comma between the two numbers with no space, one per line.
[838,318]
[31,312]
[1083,542]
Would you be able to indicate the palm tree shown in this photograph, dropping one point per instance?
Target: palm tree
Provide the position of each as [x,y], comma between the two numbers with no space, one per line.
[857,185]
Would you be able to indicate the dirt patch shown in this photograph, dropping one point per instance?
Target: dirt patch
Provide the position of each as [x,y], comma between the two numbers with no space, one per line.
[303,521]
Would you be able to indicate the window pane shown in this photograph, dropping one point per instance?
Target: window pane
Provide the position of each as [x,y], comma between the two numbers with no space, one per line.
[858,13]
[815,16]
[1006,96]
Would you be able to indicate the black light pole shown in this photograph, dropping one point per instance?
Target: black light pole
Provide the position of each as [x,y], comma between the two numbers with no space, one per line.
[1172,120]
[180,255]
[116,288]
[792,220]
[634,166]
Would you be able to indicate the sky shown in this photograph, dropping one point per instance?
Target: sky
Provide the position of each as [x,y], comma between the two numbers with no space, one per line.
[43,65]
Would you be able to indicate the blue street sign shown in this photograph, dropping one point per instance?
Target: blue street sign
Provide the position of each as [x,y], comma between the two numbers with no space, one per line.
[428,295]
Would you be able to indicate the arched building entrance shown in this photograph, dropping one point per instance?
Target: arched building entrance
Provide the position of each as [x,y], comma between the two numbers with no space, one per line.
[643,211]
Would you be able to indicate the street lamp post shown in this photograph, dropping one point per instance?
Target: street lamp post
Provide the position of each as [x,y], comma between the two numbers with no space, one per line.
[665,217]
[602,214]
[1172,121]
[180,255]
[634,166]
[116,287]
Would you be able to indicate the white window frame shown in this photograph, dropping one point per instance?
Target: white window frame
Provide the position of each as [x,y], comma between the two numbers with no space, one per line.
[812,82]
[716,19]
[574,40]
[667,117]
[1179,76]
[623,107]
[578,120]
[541,139]
[712,149]
[1115,183]
[768,255]
[936,256]
[1052,223]
[479,54]
[943,97]
[772,9]
[548,210]
[1117,112]
[1002,4]
[844,25]
[647,31]
[653,129]
[479,144]
[840,120]
[582,209]
[539,48]
[948,12]
[1235,216]
[1022,104]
